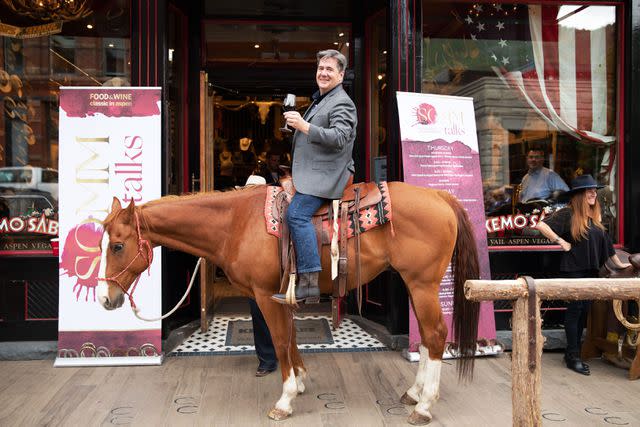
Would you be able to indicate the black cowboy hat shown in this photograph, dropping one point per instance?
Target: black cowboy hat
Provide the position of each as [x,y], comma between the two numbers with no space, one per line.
[582,182]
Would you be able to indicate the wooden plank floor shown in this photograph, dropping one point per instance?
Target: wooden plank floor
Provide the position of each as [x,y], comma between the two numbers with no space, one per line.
[343,389]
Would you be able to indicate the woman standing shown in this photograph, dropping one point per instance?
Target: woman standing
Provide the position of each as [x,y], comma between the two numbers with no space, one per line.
[578,229]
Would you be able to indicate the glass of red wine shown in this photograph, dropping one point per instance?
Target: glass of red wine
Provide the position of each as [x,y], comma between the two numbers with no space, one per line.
[289,104]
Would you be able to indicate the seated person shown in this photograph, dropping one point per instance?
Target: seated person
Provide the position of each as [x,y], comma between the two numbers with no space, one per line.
[273,172]
[540,182]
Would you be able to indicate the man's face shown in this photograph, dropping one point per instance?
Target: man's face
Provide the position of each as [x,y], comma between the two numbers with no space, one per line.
[327,75]
[535,159]
[273,162]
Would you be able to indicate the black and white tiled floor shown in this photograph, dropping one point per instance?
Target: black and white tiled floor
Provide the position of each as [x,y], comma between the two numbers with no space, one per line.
[349,337]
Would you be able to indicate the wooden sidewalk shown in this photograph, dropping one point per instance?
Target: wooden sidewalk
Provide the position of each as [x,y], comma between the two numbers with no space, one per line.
[343,389]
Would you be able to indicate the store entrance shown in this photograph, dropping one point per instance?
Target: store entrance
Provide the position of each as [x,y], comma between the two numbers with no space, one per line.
[250,69]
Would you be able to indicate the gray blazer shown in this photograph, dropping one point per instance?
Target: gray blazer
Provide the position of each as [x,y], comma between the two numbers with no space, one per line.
[322,160]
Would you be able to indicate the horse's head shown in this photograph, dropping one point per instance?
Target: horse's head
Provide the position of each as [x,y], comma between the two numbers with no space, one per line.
[125,255]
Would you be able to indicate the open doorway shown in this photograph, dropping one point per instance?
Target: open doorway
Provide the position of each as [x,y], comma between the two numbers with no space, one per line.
[250,68]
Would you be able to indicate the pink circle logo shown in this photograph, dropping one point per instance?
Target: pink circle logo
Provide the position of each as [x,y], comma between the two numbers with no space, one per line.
[426,114]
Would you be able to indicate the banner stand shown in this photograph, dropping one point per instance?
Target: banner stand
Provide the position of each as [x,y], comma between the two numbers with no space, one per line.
[440,151]
[68,362]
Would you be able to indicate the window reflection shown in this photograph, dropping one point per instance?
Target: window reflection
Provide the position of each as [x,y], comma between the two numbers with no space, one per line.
[31,73]
[545,110]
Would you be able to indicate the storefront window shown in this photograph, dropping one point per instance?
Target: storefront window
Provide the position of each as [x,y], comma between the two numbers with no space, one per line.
[36,59]
[544,81]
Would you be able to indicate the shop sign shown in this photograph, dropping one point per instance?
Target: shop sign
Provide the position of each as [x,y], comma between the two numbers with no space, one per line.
[110,145]
[440,151]
[30,32]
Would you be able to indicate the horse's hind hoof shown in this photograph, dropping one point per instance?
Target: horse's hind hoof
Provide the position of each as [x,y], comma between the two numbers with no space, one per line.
[408,400]
[417,419]
[278,414]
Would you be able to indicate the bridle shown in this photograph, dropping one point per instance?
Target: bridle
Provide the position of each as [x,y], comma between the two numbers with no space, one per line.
[142,244]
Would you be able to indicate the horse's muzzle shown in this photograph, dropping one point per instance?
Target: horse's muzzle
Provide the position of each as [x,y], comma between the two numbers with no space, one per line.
[112,304]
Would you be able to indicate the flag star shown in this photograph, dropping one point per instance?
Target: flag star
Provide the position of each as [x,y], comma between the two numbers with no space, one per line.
[500,25]
[505,61]
[494,57]
[473,37]
[480,26]
[498,7]
[479,8]
[469,20]
[502,43]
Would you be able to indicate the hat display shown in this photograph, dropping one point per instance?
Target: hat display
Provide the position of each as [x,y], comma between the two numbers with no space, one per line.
[583,182]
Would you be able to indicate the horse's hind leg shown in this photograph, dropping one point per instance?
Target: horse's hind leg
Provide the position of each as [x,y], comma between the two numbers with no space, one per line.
[433,332]
[280,322]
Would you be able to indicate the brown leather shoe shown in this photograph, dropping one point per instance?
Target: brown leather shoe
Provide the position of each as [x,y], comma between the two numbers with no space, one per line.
[264,372]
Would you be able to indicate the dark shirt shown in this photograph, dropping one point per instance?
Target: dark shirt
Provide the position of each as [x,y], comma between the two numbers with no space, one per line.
[588,253]
[316,99]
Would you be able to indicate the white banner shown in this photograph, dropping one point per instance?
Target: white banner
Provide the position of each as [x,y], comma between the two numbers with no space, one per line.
[109,145]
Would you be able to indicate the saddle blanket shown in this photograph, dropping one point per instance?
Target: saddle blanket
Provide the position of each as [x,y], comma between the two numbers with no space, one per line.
[367,217]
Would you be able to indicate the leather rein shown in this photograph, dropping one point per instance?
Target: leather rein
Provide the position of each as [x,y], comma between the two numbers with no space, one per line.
[142,245]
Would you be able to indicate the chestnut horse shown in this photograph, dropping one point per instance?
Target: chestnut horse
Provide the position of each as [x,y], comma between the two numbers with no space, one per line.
[428,229]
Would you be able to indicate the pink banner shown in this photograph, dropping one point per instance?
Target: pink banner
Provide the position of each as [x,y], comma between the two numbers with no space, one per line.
[440,150]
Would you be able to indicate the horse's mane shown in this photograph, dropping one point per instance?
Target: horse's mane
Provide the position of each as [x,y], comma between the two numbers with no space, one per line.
[220,195]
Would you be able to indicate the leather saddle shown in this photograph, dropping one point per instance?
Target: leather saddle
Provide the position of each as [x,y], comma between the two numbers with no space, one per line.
[609,270]
[369,195]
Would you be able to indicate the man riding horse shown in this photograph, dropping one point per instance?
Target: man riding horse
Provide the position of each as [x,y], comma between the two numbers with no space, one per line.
[322,166]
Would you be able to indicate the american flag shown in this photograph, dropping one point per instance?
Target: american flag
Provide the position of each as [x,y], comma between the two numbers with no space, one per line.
[567,75]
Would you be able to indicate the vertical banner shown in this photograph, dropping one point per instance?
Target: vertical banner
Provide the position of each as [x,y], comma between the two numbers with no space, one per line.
[440,151]
[109,145]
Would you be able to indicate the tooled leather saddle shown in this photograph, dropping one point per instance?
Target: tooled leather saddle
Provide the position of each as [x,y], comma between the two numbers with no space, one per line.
[362,206]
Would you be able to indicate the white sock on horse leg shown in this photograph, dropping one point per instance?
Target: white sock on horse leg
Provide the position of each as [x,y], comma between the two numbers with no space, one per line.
[416,389]
[430,391]
[289,391]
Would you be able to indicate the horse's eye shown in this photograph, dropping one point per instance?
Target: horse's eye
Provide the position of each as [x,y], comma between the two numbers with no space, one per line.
[117,247]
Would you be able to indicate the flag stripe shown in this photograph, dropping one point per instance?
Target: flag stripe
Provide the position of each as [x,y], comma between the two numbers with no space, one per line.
[584,92]
[549,48]
[567,74]
[599,80]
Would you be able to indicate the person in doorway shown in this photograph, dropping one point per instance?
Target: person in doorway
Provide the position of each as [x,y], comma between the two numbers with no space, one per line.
[540,183]
[272,172]
[322,165]
[578,229]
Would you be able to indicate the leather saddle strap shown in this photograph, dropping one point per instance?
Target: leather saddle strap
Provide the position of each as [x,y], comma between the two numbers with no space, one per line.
[342,262]
[356,226]
[285,246]
[317,226]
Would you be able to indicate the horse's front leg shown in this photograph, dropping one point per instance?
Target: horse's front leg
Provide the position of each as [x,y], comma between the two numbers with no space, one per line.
[280,322]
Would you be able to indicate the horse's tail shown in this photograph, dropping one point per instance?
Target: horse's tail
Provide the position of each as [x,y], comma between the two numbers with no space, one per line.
[465,313]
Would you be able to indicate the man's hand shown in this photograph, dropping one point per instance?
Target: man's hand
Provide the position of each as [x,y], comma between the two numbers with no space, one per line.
[295,121]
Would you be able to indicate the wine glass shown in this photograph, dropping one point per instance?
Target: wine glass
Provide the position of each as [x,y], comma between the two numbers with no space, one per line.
[289,104]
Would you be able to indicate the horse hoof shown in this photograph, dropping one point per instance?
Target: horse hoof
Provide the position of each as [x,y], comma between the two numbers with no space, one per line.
[417,419]
[278,414]
[408,400]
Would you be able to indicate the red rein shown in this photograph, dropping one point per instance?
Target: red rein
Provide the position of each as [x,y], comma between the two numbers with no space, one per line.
[142,244]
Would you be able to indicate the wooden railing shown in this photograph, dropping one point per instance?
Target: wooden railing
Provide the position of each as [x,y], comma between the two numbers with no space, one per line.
[527,326]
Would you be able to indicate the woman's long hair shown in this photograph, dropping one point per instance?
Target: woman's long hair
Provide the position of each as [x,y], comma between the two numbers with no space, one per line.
[582,213]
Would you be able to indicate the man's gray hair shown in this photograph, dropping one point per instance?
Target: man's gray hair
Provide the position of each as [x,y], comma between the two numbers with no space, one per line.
[332,53]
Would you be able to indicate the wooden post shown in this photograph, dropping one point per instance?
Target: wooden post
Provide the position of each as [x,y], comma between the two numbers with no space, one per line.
[526,359]
[527,327]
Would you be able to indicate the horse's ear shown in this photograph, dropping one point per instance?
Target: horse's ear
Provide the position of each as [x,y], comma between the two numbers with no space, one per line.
[127,213]
[115,205]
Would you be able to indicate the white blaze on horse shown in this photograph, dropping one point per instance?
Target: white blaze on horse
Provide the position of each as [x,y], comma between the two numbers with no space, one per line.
[429,229]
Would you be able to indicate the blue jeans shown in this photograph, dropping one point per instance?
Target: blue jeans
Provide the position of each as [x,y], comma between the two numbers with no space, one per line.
[303,235]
